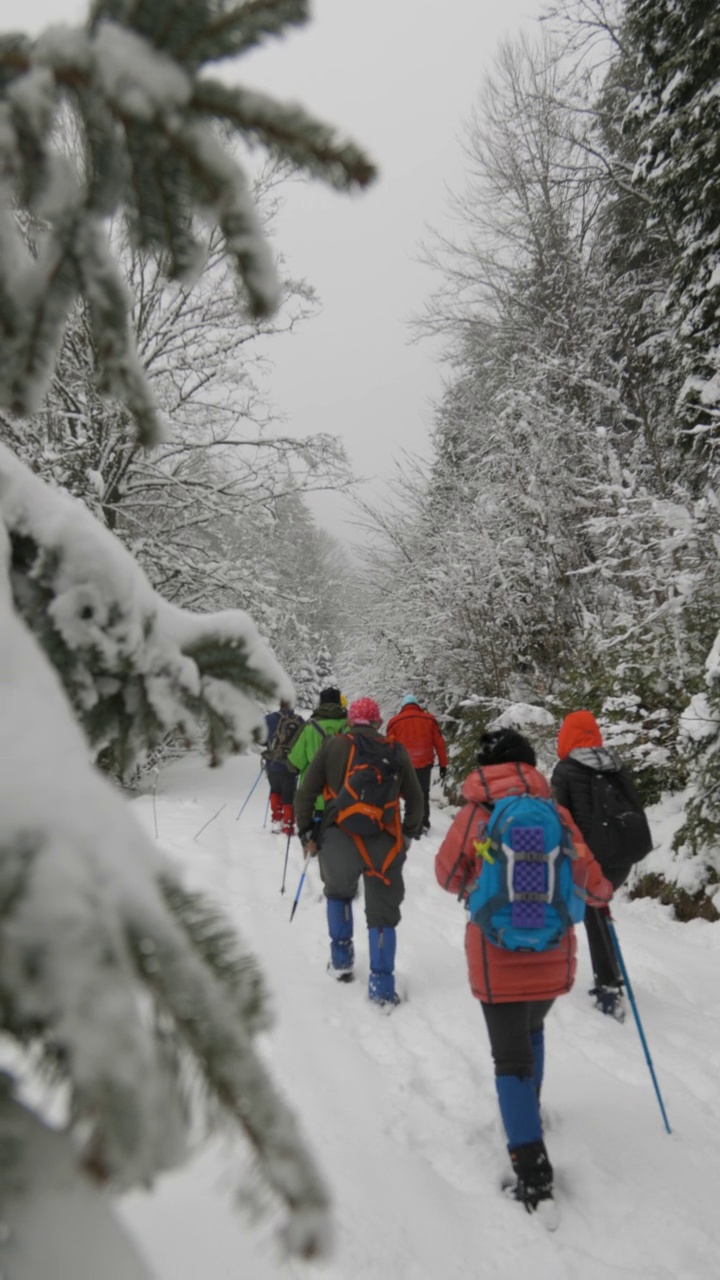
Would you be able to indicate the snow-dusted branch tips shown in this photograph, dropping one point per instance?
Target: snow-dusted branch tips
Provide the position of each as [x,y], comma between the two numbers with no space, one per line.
[144,112]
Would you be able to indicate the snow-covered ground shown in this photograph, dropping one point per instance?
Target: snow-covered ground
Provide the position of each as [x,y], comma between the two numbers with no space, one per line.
[401,1110]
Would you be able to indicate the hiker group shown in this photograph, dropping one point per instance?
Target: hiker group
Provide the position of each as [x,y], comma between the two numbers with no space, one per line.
[529,859]
[351,781]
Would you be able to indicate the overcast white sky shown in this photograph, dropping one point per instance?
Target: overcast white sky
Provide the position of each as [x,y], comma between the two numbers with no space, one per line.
[399,76]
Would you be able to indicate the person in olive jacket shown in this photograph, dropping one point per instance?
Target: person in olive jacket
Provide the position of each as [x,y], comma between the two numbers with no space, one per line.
[342,863]
[582,761]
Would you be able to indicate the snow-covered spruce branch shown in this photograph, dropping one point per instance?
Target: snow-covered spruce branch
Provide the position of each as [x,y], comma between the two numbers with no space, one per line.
[131,80]
[134,666]
[93,928]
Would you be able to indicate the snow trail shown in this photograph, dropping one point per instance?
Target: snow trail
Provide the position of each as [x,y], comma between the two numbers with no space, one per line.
[401,1110]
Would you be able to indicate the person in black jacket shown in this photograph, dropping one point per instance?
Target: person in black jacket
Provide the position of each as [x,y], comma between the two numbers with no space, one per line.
[592,782]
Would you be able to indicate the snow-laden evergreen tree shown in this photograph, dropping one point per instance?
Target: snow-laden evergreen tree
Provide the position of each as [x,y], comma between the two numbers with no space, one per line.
[674,117]
[673,122]
[115,979]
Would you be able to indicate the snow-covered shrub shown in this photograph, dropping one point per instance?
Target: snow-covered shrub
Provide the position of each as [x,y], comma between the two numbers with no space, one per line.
[474,716]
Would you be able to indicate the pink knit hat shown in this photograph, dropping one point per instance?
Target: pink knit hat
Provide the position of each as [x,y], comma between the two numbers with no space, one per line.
[364,711]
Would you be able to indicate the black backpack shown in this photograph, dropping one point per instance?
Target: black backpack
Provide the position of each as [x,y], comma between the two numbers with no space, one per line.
[619,832]
[280,745]
[369,800]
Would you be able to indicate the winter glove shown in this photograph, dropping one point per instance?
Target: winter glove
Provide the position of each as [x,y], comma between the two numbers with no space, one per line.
[443,772]
[411,835]
[307,840]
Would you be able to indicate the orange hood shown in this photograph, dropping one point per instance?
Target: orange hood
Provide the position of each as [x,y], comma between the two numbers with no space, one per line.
[579,729]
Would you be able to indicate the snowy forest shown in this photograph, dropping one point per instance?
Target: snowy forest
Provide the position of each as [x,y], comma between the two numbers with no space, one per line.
[165,581]
[562,549]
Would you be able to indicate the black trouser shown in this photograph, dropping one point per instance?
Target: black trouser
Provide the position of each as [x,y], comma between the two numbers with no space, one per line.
[605,967]
[282,781]
[423,777]
[509,1028]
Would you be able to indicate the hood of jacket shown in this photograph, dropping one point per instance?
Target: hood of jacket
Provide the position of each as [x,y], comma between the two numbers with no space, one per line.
[329,711]
[578,729]
[410,709]
[601,759]
[494,781]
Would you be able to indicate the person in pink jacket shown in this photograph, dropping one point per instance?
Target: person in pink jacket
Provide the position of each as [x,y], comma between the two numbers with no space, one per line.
[516,989]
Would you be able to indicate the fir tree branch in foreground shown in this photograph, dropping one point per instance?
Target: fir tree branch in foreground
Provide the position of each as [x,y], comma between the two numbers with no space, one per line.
[96,933]
[132,81]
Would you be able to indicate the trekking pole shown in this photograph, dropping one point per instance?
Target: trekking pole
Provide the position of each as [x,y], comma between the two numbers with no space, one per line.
[299,888]
[244,804]
[287,851]
[207,824]
[633,1005]
[267,809]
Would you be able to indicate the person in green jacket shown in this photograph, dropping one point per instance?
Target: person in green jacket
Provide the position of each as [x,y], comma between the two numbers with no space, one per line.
[329,717]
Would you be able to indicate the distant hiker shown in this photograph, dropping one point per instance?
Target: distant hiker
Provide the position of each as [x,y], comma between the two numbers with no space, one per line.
[283,726]
[328,718]
[419,732]
[362,776]
[592,782]
[517,987]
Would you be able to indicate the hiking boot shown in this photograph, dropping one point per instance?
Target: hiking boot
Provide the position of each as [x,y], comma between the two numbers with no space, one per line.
[276,826]
[533,1182]
[340,975]
[388,1004]
[610,1001]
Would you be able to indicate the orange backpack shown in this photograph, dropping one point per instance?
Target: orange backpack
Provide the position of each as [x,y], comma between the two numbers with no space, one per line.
[368,801]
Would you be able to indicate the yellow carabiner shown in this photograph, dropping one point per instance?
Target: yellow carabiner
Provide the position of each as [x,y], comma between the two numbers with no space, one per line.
[482,849]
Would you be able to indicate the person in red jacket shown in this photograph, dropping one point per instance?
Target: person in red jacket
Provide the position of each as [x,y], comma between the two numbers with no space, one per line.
[419,732]
[516,989]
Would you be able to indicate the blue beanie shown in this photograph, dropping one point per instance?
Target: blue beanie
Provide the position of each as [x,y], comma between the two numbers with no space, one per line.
[410,697]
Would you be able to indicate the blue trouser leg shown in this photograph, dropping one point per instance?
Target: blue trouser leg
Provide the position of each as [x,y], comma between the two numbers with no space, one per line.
[519,1109]
[537,1040]
[382,943]
[340,927]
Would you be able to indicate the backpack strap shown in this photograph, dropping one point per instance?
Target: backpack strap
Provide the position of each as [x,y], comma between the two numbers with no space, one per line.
[328,793]
[315,725]
[520,774]
[483,779]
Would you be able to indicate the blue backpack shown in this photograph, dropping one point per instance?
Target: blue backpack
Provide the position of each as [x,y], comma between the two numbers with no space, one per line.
[525,898]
